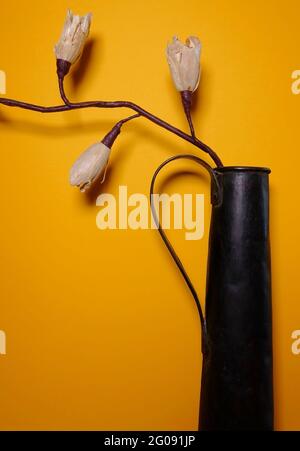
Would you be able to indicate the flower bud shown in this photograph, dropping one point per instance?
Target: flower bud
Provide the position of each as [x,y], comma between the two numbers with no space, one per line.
[73,37]
[90,166]
[184,63]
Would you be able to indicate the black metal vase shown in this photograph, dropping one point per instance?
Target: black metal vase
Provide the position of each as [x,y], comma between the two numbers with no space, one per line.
[237,382]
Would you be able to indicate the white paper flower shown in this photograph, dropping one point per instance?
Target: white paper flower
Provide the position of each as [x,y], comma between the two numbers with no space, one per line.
[90,166]
[73,37]
[184,63]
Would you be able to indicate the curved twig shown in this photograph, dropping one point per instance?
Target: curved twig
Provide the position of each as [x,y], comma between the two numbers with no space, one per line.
[69,106]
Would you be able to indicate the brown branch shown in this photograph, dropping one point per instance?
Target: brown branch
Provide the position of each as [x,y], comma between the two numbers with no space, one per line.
[112,104]
[186,98]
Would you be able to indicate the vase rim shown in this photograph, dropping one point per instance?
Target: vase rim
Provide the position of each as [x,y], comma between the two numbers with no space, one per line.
[243,169]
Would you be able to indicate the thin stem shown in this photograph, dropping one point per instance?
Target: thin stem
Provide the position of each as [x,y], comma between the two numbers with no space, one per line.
[129,118]
[111,136]
[186,98]
[62,91]
[114,104]
[190,122]
[101,104]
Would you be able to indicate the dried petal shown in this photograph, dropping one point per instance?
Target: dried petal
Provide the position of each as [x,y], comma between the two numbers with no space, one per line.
[184,63]
[73,37]
[90,166]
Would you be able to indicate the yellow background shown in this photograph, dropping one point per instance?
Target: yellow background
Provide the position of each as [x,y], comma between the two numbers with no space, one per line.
[102,332]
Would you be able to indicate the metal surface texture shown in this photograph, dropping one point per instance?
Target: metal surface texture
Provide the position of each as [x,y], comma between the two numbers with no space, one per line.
[237,381]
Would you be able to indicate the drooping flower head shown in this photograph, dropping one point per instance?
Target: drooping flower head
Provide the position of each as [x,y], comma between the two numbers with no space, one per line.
[90,166]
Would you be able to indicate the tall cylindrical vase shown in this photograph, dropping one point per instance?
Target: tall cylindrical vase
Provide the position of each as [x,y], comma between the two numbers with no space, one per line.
[237,382]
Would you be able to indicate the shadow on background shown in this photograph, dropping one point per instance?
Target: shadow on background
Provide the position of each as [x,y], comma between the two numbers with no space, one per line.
[82,67]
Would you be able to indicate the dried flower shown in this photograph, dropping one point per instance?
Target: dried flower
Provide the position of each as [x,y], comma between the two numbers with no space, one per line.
[74,35]
[90,166]
[184,62]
